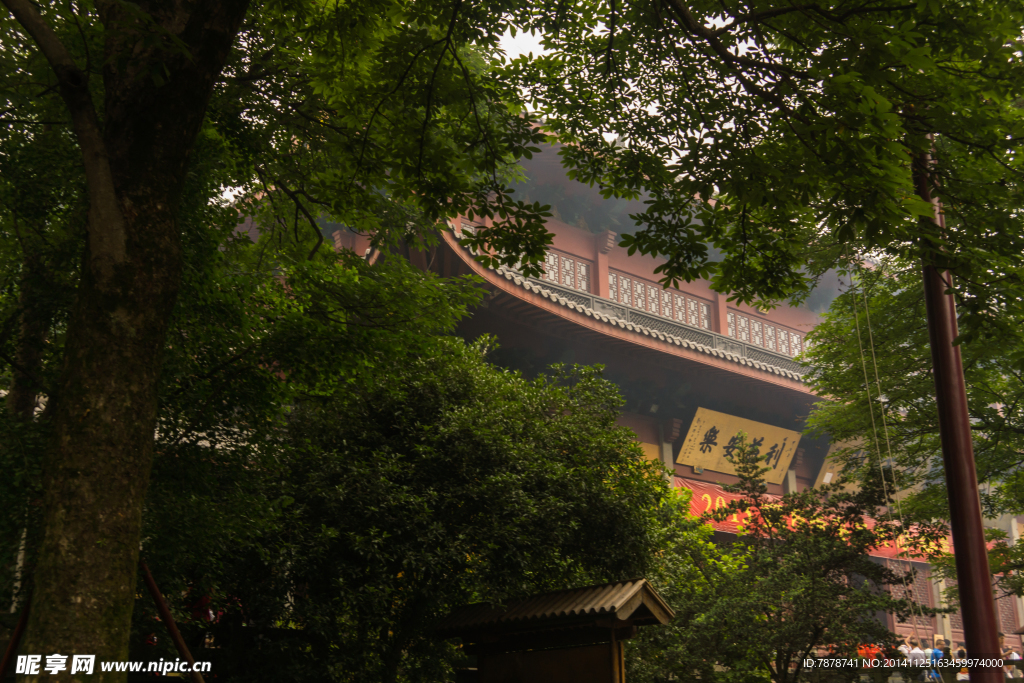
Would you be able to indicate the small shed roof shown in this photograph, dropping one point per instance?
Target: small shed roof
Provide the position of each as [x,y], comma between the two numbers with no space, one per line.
[634,601]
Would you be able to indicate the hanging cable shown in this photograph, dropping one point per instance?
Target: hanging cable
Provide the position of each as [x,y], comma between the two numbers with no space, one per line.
[885,425]
[878,449]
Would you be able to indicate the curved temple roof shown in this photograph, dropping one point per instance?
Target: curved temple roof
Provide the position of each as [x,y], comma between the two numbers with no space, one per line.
[615,314]
[643,323]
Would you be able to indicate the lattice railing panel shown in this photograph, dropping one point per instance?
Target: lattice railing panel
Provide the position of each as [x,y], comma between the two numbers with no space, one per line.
[772,359]
[666,326]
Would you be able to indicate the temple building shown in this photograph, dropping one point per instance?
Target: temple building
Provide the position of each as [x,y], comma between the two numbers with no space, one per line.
[693,367]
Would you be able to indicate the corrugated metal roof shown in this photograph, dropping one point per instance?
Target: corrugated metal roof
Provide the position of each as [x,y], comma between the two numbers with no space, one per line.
[621,600]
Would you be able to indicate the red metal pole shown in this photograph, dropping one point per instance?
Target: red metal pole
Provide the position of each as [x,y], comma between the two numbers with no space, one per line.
[981,630]
[165,614]
[12,646]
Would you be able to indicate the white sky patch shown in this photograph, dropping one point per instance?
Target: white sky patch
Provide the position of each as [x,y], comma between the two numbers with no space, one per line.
[230,194]
[523,43]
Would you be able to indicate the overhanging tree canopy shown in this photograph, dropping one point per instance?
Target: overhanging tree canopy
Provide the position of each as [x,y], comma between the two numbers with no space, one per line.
[334,106]
[803,121]
[823,132]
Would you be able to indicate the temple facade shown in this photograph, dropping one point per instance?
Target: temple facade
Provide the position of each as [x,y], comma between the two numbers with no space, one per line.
[694,368]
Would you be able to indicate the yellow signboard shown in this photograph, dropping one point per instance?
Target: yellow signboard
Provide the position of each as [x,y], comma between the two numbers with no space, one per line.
[713,435]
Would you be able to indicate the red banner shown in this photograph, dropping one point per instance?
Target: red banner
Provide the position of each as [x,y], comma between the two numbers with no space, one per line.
[709,497]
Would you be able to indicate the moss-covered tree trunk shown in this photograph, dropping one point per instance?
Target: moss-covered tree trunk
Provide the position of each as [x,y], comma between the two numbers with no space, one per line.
[135,153]
[23,395]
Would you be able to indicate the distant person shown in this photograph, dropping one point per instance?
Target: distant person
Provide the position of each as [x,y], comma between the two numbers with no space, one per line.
[904,648]
[1004,653]
[939,652]
[1012,656]
[916,654]
[961,653]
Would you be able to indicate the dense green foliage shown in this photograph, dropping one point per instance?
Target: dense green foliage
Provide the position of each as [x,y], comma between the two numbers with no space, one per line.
[877,329]
[125,122]
[360,112]
[336,476]
[807,122]
[241,348]
[871,353]
[245,352]
[349,478]
[797,581]
[330,471]
[437,481]
[42,234]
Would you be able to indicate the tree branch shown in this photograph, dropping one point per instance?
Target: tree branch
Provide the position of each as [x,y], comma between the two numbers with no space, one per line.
[757,17]
[433,79]
[733,62]
[299,206]
[106,222]
[401,81]
[28,122]
[693,27]
[610,59]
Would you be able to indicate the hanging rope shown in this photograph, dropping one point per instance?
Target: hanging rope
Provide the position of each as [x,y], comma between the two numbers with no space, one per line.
[874,432]
[885,424]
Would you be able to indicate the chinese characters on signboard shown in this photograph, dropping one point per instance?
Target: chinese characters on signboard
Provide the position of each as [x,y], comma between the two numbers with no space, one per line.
[713,436]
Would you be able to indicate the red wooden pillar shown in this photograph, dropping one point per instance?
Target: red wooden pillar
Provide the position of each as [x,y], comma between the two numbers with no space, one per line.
[719,313]
[981,629]
[603,244]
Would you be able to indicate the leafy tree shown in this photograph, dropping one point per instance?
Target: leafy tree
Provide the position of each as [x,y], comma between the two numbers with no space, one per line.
[243,348]
[810,124]
[872,349]
[241,357]
[877,327]
[284,380]
[377,100]
[798,579]
[401,490]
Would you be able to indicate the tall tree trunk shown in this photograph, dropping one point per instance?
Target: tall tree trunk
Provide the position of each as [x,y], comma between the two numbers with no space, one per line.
[24,392]
[23,395]
[105,406]
[97,470]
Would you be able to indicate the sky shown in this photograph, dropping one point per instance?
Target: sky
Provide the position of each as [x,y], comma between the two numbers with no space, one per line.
[520,45]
